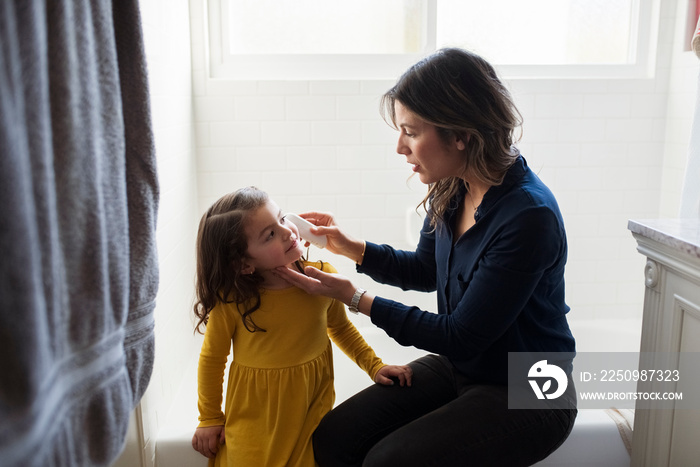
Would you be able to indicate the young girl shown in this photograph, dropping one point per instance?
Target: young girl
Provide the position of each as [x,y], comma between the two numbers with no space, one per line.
[280,382]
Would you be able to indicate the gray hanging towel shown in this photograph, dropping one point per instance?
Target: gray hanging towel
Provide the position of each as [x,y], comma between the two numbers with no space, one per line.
[78,204]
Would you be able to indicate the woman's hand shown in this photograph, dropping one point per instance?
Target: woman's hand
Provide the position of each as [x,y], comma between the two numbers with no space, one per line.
[317,282]
[339,242]
[403,373]
[206,440]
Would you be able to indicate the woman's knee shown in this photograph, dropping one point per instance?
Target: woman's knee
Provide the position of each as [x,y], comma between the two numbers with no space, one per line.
[386,452]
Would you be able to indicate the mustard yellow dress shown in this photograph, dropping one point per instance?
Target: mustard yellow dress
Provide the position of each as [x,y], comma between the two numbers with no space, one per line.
[280,382]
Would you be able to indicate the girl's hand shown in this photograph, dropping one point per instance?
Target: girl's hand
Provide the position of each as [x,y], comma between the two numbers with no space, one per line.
[317,282]
[339,242]
[206,440]
[403,373]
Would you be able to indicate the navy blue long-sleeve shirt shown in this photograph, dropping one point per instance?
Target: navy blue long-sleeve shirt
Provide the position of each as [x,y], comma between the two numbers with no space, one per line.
[500,287]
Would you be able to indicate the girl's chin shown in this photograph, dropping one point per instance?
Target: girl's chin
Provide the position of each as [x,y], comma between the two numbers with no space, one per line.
[298,256]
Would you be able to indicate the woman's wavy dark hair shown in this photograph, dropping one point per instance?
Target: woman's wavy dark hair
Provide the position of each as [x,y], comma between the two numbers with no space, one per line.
[459,92]
[222,247]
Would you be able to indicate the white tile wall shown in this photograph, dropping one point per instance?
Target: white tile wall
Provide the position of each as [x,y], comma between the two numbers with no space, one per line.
[598,144]
[610,150]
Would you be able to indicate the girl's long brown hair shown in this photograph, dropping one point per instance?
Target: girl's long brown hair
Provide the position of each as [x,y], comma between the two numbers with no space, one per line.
[221,251]
[459,93]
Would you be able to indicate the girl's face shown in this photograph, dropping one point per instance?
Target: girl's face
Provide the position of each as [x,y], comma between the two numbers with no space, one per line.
[272,241]
[431,156]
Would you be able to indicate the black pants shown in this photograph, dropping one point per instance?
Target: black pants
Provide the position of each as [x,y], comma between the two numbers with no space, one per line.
[442,420]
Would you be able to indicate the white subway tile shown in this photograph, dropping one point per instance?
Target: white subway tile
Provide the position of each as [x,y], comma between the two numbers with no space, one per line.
[214,109]
[645,154]
[636,178]
[540,130]
[383,181]
[604,154]
[216,184]
[310,108]
[549,155]
[234,133]
[285,182]
[335,88]
[614,226]
[226,87]
[607,106]
[576,86]
[366,206]
[283,88]
[650,105]
[336,182]
[299,203]
[367,157]
[212,159]
[600,202]
[259,108]
[566,198]
[558,105]
[629,129]
[261,158]
[583,178]
[580,272]
[641,203]
[581,130]
[593,293]
[406,202]
[312,157]
[285,133]
[361,107]
[383,230]
[582,225]
[592,248]
[631,292]
[335,132]
[633,86]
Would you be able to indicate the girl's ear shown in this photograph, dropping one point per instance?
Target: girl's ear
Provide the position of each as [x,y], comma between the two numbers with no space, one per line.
[247,268]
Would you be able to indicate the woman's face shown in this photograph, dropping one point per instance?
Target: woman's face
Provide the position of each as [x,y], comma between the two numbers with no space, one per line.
[272,241]
[431,156]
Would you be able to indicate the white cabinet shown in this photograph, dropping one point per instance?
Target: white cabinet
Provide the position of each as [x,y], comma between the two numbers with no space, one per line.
[671,324]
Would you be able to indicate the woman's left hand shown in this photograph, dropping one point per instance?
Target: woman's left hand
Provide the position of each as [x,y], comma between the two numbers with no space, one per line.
[317,282]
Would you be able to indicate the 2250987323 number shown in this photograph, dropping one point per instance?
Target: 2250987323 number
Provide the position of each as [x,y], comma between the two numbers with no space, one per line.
[639,375]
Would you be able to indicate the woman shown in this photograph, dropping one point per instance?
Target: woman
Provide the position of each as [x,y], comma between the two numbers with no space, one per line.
[493,245]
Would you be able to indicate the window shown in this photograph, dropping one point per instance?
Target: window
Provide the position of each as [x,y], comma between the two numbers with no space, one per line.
[370,39]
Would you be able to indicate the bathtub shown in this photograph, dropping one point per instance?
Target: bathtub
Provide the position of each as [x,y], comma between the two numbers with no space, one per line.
[594,442]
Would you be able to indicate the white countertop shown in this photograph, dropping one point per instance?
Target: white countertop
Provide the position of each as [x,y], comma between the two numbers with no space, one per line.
[679,234]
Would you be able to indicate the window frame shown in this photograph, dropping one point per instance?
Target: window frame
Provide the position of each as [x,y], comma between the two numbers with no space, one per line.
[257,67]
